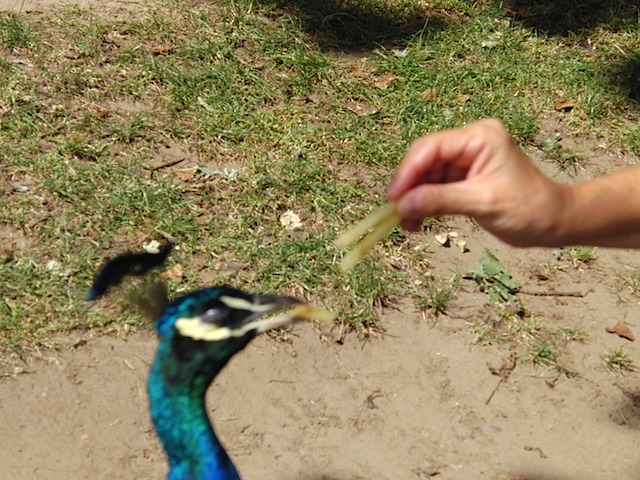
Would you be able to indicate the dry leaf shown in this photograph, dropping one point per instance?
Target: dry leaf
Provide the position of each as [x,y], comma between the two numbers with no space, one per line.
[361,108]
[56,268]
[490,44]
[202,219]
[233,266]
[290,220]
[100,111]
[493,40]
[78,137]
[175,273]
[162,49]
[152,247]
[462,245]
[622,330]
[186,174]
[508,366]
[451,237]
[316,97]
[442,239]
[243,56]
[463,98]
[384,81]
[430,94]
[564,105]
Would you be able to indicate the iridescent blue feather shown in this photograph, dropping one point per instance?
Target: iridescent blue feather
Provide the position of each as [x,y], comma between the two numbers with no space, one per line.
[184,365]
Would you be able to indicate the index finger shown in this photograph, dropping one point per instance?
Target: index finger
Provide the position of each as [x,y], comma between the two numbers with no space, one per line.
[437,158]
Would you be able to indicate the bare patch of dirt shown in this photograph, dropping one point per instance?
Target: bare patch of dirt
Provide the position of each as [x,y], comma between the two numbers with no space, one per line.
[419,402]
[12,240]
[36,6]
[410,405]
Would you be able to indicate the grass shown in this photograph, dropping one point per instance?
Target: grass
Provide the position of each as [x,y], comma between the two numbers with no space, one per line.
[632,282]
[543,352]
[14,32]
[581,255]
[272,114]
[508,323]
[617,361]
[568,161]
[572,334]
[437,300]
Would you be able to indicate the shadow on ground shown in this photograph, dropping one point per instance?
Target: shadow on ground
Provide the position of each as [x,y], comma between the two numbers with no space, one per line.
[361,26]
[628,77]
[566,17]
[627,413]
[537,476]
[576,19]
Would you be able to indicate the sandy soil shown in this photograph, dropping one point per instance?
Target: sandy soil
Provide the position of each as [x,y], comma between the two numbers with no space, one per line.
[411,404]
[36,5]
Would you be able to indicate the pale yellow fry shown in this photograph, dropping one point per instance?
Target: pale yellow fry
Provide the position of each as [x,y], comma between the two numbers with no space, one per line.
[352,235]
[367,243]
[307,312]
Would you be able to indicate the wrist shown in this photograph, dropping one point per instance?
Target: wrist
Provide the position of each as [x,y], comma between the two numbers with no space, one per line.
[604,211]
[565,224]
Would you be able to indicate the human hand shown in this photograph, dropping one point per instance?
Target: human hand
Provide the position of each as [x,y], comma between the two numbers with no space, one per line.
[478,171]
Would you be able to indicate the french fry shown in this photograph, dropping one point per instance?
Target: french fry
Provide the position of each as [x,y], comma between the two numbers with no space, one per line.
[307,312]
[381,222]
[352,235]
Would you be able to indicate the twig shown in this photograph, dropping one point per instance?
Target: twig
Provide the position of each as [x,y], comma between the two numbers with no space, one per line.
[554,294]
[494,390]
[529,448]
[508,365]
[369,402]
[166,165]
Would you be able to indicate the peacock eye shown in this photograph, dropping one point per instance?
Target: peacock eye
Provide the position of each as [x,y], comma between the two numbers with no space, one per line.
[214,315]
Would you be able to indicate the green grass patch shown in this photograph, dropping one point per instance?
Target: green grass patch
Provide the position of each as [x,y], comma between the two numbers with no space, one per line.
[15,32]
[618,361]
[206,123]
[437,299]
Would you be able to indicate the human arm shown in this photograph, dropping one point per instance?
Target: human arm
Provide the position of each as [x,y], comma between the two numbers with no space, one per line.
[478,171]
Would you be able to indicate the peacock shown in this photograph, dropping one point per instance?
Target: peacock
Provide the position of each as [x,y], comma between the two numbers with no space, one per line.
[198,333]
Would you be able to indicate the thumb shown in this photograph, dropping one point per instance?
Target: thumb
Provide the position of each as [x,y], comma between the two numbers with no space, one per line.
[457,198]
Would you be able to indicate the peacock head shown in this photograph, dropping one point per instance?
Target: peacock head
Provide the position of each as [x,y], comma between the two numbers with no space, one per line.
[202,330]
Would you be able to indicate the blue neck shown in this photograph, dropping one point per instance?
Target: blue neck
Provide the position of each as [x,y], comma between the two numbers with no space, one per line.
[180,418]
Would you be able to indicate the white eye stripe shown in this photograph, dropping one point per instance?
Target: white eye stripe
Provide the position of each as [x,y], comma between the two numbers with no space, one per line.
[196,329]
[243,304]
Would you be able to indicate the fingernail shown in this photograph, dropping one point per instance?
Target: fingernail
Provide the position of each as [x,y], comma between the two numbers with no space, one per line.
[391,192]
[405,206]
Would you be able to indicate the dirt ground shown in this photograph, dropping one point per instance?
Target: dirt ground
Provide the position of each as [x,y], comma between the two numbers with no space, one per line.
[410,404]
[109,6]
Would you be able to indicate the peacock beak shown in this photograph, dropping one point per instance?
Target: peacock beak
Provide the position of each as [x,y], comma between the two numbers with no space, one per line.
[258,306]
[259,315]
[299,311]
[272,303]
[265,306]
[262,313]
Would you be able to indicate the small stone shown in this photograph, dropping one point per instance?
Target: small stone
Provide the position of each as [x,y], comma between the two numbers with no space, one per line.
[621,330]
